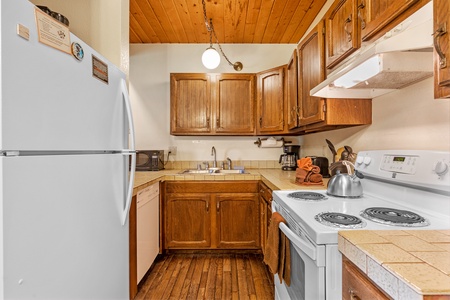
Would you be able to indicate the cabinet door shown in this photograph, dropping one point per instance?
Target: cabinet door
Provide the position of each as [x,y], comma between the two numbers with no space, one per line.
[237,220]
[270,101]
[235,103]
[442,49]
[190,103]
[188,221]
[374,15]
[311,73]
[341,31]
[291,92]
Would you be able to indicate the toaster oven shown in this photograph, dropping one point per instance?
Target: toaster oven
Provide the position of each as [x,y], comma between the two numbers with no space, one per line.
[149,160]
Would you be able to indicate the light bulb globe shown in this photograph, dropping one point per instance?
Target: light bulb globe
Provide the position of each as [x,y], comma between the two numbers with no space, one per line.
[211,58]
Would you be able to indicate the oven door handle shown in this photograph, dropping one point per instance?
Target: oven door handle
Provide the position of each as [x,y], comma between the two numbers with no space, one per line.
[301,243]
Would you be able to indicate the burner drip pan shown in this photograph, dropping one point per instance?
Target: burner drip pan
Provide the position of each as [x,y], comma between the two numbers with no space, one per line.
[307,196]
[395,217]
[339,220]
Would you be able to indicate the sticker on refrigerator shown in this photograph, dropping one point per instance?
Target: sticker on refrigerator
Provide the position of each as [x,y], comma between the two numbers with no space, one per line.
[51,32]
[99,69]
[77,51]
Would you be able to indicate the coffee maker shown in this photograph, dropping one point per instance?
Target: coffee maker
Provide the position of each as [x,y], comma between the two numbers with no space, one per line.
[288,160]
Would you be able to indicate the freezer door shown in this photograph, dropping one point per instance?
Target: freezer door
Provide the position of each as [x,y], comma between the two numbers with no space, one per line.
[62,228]
[49,99]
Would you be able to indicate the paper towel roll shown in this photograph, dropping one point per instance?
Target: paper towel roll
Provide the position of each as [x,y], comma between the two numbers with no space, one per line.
[271,144]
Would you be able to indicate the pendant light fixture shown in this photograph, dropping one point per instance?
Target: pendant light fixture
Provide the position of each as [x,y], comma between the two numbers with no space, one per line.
[211,58]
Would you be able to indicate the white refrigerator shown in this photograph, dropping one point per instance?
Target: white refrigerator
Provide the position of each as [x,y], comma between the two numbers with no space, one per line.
[66,142]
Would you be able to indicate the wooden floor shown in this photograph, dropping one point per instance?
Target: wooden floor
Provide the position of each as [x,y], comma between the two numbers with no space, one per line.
[207,276]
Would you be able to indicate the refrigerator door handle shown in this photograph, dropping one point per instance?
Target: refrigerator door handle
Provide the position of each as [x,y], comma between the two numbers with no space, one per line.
[131,152]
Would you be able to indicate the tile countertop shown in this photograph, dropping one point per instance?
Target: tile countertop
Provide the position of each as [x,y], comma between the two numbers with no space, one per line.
[406,264]
[276,179]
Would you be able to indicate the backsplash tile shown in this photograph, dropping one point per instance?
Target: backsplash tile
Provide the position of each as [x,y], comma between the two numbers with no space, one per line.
[247,164]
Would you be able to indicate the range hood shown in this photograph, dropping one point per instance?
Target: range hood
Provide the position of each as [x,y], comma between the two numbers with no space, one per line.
[401,57]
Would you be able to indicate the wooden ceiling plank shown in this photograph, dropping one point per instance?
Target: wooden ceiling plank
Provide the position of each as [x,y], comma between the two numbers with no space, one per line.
[274,19]
[134,38]
[263,17]
[186,21]
[310,15]
[140,28]
[240,17]
[297,18]
[170,8]
[253,9]
[216,11]
[285,19]
[150,18]
[195,10]
[164,20]
[229,15]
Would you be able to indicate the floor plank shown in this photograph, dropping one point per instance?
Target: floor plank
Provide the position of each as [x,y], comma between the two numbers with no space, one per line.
[207,276]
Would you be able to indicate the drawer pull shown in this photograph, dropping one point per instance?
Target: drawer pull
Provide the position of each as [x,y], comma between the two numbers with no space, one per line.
[349,34]
[353,295]
[442,30]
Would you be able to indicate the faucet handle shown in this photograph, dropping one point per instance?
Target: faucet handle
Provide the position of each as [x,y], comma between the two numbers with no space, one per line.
[206,164]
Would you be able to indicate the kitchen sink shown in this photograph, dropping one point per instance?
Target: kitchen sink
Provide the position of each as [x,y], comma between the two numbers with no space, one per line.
[213,172]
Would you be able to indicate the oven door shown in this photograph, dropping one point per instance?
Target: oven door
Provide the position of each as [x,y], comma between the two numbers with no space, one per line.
[307,269]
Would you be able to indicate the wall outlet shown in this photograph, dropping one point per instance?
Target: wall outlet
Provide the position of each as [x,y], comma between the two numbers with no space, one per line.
[173,150]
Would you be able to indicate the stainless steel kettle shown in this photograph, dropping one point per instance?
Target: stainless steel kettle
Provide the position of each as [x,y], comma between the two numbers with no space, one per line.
[346,185]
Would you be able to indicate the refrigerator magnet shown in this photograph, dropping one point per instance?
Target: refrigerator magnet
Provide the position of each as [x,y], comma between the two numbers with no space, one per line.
[77,51]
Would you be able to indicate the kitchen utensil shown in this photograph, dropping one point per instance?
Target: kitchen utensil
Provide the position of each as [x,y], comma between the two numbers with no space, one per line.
[351,154]
[322,163]
[333,150]
[345,185]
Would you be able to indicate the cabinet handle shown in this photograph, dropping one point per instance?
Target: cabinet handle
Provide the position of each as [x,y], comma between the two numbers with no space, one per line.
[260,121]
[437,34]
[218,206]
[360,7]
[353,295]
[207,122]
[207,207]
[349,34]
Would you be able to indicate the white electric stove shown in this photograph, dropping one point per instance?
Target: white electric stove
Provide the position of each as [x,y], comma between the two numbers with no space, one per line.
[402,190]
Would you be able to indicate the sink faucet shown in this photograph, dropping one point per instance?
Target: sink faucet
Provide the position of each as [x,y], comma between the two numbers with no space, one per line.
[213,152]
[229,163]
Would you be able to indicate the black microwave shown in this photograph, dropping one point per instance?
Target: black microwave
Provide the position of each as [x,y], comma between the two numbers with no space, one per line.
[149,160]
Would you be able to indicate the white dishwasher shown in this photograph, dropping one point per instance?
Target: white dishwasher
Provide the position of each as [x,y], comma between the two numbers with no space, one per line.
[147,230]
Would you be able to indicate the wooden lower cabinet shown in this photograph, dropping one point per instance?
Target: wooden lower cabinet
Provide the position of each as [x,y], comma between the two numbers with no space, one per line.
[356,285]
[188,221]
[211,215]
[265,208]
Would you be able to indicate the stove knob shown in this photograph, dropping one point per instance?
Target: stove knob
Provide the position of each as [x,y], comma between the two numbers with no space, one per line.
[367,160]
[440,168]
[359,160]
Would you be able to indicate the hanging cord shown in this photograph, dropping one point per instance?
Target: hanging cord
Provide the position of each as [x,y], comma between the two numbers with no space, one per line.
[210,27]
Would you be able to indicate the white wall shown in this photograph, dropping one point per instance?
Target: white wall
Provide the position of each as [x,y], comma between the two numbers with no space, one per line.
[405,119]
[103,24]
[150,67]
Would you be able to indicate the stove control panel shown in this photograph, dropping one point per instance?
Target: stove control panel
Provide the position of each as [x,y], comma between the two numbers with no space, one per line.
[430,169]
[399,163]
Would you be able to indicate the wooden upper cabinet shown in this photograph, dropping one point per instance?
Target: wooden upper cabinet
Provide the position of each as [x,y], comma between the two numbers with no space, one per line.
[342,34]
[270,101]
[311,73]
[441,56]
[292,92]
[235,103]
[207,104]
[374,15]
[190,103]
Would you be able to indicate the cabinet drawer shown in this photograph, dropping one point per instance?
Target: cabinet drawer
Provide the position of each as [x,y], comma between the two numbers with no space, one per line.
[356,285]
[250,186]
[265,192]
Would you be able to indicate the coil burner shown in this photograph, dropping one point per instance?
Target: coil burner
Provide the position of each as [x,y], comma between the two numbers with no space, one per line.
[339,220]
[307,196]
[395,217]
